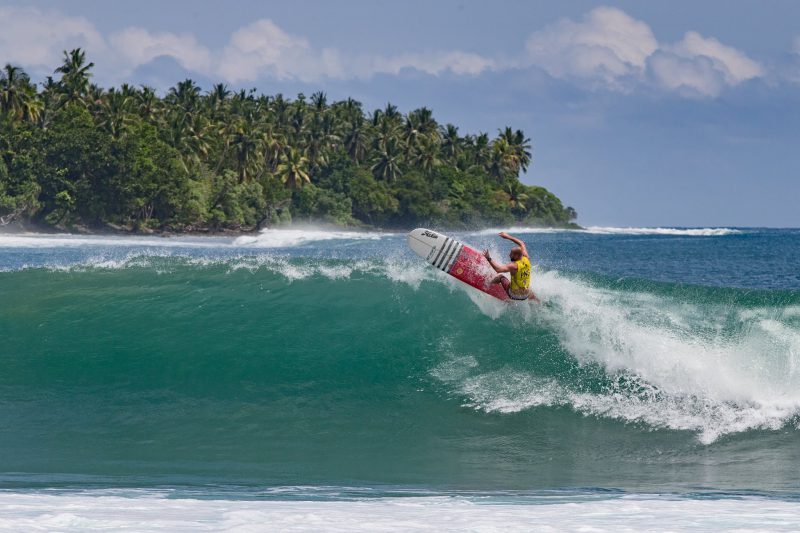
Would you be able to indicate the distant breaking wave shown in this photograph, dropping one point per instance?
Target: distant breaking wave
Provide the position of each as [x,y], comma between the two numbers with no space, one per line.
[689,232]
[68,240]
[609,230]
[284,238]
[269,238]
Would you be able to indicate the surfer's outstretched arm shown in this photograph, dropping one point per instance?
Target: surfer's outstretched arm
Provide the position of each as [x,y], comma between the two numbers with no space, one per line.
[516,241]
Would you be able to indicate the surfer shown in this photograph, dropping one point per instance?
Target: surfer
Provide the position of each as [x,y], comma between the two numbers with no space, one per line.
[519,286]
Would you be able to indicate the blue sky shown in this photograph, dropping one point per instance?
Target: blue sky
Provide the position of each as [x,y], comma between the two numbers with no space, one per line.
[671,113]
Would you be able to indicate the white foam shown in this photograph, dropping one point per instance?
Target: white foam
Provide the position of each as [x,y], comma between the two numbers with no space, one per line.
[285,238]
[82,512]
[676,364]
[609,230]
[66,240]
[269,238]
[520,230]
[686,232]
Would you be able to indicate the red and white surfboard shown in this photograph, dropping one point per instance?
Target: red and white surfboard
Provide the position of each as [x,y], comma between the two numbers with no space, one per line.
[457,259]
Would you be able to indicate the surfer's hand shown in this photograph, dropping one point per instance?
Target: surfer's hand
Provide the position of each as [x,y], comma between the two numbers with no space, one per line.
[503,235]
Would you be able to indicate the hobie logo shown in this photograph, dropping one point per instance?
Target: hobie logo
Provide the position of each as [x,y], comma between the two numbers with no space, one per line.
[430,234]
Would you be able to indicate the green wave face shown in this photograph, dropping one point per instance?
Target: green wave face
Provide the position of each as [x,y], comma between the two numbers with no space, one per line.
[264,371]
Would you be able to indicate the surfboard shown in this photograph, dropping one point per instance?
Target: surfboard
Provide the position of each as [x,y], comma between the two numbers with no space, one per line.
[456,259]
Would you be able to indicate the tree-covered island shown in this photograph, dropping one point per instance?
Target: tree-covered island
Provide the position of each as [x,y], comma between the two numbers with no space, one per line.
[75,155]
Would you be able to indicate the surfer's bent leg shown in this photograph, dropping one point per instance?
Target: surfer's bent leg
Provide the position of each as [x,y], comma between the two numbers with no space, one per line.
[502,280]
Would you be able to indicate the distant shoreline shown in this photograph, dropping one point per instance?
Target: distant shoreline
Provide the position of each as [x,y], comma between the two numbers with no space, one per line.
[77,155]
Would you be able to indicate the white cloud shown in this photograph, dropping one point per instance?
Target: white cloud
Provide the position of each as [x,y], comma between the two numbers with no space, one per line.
[262,48]
[610,49]
[733,64]
[605,48]
[37,38]
[701,66]
[139,46]
[689,76]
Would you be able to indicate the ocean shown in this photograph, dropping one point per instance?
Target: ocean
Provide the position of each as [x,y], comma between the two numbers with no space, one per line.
[314,379]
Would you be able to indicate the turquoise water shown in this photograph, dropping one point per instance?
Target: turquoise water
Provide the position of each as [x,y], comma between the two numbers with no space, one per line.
[660,362]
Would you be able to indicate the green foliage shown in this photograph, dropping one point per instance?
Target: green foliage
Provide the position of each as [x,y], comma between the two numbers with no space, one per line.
[373,202]
[19,188]
[314,203]
[75,154]
[76,169]
[148,183]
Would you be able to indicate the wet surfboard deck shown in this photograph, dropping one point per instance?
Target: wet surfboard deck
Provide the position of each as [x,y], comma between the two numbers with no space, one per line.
[457,259]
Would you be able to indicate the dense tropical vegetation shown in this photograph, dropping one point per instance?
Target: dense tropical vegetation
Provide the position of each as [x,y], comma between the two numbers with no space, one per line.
[74,155]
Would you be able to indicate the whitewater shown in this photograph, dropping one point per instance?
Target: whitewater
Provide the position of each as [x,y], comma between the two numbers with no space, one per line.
[315,377]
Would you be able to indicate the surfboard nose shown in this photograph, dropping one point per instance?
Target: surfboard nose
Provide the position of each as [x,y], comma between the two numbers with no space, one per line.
[422,240]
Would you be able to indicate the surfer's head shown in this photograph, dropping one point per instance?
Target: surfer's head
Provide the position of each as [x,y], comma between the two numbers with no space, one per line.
[515,254]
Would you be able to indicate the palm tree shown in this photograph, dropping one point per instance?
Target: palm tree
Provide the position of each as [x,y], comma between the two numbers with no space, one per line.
[319,101]
[321,138]
[218,98]
[184,95]
[74,75]
[49,99]
[280,109]
[356,140]
[18,98]
[516,196]
[411,132]
[424,122]
[385,130]
[427,155]
[94,97]
[114,112]
[498,164]
[247,146]
[292,170]
[481,149]
[186,133]
[391,112]
[271,148]
[522,146]
[348,111]
[147,103]
[519,146]
[297,121]
[451,143]
[387,161]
